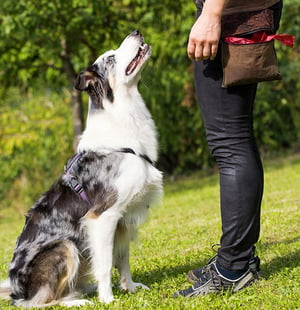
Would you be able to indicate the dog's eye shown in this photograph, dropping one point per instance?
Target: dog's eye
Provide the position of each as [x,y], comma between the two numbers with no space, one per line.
[110,59]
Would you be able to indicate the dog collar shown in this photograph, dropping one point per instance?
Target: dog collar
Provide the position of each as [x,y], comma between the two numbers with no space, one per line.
[129,150]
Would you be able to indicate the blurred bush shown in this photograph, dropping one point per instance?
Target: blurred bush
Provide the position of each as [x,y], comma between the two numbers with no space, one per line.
[35,141]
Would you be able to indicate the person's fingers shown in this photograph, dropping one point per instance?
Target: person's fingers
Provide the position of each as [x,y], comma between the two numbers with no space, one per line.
[214,50]
[199,52]
[206,51]
[191,49]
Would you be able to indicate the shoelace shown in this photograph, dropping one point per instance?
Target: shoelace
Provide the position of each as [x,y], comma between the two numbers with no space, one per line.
[214,246]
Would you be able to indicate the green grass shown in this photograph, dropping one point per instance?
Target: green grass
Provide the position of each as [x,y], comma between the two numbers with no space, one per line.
[179,234]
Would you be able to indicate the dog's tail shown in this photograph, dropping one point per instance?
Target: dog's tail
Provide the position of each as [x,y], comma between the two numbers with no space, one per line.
[51,277]
[5,289]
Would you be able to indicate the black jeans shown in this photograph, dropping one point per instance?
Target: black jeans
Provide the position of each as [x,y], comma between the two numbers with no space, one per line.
[228,121]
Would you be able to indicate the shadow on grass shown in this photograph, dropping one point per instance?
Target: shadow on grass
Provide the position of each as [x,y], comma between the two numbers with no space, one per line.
[160,274]
[280,262]
[275,266]
[265,245]
[199,179]
[282,161]
[193,182]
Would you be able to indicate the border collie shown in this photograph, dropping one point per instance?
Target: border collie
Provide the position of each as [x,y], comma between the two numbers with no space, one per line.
[84,223]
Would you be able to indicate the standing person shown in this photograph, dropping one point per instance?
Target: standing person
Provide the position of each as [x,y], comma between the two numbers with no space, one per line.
[228,121]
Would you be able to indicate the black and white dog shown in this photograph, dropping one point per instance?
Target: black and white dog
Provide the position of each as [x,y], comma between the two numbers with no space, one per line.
[89,216]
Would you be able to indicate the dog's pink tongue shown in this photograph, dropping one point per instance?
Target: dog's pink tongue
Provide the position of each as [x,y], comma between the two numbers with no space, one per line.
[131,67]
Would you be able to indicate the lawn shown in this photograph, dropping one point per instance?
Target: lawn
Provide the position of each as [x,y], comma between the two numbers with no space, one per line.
[178,236]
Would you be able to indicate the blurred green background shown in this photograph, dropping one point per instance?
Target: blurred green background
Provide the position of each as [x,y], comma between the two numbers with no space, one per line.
[45,43]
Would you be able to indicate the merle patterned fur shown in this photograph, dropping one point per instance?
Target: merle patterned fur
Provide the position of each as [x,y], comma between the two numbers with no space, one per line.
[56,215]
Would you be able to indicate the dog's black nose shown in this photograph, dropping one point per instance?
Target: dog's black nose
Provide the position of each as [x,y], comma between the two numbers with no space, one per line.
[136,33]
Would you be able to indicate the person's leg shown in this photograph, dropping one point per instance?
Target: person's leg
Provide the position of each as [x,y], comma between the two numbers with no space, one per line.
[227,115]
[228,121]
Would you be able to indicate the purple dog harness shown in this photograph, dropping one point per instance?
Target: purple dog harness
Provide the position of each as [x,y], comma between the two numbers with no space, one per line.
[71,178]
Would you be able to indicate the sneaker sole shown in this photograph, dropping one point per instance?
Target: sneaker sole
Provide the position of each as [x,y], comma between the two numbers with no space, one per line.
[245,282]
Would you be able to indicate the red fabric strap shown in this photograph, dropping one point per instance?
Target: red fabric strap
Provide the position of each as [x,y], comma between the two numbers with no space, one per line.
[263,36]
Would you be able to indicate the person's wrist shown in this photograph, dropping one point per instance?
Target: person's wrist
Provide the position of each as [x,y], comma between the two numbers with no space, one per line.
[213,8]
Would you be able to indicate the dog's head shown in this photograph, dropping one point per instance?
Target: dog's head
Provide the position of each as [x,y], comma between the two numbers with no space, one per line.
[114,69]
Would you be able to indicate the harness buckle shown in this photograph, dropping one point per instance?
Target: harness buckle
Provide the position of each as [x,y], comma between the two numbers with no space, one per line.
[76,186]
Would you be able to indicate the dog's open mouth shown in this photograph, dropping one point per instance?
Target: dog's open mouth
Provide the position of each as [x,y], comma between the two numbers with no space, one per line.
[143,50]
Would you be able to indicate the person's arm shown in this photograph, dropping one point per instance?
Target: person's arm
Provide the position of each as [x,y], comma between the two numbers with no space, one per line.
[205,33]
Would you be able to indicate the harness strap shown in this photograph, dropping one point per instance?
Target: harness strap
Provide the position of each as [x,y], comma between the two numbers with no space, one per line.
[72,180]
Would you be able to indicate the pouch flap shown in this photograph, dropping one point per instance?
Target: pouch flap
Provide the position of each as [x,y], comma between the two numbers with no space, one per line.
[241,24]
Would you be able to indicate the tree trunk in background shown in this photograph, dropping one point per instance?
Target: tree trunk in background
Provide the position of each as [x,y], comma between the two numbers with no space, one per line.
[76,99]
[77,110]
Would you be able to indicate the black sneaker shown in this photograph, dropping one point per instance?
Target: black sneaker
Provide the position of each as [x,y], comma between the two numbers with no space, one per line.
[194,275]
[211,281]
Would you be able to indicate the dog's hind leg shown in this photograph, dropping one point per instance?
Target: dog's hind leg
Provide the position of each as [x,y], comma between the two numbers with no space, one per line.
[52,276]
[5,289]
[101,232]
[122,243]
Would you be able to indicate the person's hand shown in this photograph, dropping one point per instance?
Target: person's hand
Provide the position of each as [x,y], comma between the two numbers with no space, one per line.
[205,33]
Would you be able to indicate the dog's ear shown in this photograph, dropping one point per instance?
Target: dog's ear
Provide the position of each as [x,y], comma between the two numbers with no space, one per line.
[84,80]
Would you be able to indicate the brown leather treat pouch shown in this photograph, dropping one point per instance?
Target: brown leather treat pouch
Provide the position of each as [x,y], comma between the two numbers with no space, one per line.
[248,63]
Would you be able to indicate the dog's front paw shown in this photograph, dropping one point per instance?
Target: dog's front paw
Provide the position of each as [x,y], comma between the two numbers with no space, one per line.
[105,293]
[132,287]
[106,299]
[76,303]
